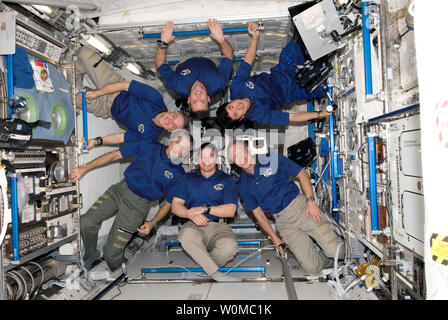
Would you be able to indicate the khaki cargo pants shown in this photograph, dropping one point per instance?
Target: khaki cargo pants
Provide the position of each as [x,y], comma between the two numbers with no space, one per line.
[130,210]
[296,230]
[101,72]
[89,62]
[211,246]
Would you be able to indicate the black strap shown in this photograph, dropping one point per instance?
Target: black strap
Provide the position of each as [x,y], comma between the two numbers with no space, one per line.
[96,64]
[40,123]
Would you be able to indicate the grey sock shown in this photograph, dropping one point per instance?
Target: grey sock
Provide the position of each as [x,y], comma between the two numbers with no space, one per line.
[90,260]
[222,277]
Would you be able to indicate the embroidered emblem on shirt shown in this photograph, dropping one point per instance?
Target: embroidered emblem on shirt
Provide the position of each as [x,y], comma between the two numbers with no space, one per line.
[168,174]
[250,84]
[141,128]
[185,72]
[218,186]
[268,172]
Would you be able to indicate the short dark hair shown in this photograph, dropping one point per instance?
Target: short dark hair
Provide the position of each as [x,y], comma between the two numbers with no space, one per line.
[200,115]
[210,146]
[223,119]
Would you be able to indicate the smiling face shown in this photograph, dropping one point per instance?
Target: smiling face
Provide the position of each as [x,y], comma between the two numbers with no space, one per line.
[207,161]
[237,109]
[241,156]
[172,120]
[179,147]
[198,99]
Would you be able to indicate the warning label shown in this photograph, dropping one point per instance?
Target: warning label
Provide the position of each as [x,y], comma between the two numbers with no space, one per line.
[439,248]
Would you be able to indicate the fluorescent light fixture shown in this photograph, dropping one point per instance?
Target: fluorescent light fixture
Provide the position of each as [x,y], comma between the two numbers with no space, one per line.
[134,68]
[44,9]
[98,43]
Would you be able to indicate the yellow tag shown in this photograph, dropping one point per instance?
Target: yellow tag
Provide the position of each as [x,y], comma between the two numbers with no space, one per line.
[439,248]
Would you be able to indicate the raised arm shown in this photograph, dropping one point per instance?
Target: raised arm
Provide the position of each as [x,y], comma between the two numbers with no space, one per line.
[218,35]
[79,172]
[111,139]
[251,51]
[167,37]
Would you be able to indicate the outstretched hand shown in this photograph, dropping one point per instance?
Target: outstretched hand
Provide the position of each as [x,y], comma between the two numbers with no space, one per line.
[215,30]
[167,32]
[77,173]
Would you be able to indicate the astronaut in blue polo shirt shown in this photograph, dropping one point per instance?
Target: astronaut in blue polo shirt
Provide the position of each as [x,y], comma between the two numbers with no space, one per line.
[197,78]
[204,197]
[261,97]
[140,108]
[151,176]
[265,187]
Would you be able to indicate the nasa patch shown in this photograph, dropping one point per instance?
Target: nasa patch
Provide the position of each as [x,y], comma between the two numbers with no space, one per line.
[141,128]
[218,187]
[185,72]
[267,172]
[250,84]
[168,174]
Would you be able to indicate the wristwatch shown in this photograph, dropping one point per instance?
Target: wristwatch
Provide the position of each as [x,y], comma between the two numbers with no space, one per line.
[99,140]
[206,208]
[310,199]
[162,44]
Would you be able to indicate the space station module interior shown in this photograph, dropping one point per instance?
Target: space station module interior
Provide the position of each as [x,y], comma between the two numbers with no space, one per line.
[377,164]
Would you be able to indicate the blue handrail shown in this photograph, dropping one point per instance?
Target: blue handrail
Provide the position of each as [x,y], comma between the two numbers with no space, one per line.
[333,154]
[367,50]
[84,119]
[194,32]
[15,220]
[174,62]
[10,78]
[311,133]
[177,244]
[13,180]
[222,269]
[371,142]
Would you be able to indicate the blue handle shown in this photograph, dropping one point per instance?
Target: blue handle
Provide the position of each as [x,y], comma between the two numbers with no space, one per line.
[334,157]
[367,50]
[311,133]
[10,78]
[194,32]
[177,244]
[174,62]
[223,269]
[84,119]
[371,141]
[13,180]
[15,220]
[243,227]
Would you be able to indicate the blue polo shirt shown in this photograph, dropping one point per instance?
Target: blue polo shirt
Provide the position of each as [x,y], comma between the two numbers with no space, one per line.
[270,187]
[269,92]
[198,190]
[135,109]
[198,68]
[151,175]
